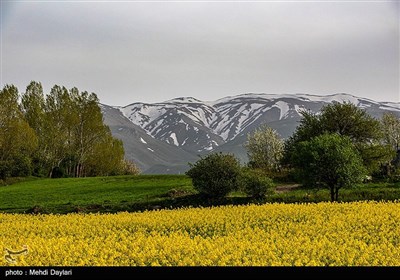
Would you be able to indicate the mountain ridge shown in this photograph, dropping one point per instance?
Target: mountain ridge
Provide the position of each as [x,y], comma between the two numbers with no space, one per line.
[194,127]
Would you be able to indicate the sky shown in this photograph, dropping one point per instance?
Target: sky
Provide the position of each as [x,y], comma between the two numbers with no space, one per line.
[130,51]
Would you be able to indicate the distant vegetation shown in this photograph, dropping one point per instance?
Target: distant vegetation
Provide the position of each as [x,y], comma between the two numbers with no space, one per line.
[335,149]
[342,146]
[60,134]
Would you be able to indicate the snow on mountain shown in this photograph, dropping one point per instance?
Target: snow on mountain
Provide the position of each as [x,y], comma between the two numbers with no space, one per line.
[174,139]
[283,108]
[391,106]
[339,97]
[183,100]
[181,121]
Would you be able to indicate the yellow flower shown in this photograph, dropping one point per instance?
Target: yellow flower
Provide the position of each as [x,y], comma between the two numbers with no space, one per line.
[323,234]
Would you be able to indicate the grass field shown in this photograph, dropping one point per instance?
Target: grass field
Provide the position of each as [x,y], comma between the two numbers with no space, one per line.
[362,192]
[108,194]
[146,192]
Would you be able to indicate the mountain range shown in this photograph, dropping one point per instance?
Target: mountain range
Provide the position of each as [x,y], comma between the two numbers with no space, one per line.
[162,138]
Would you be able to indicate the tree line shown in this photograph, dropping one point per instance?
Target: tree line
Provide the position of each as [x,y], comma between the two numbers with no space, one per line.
[335,148]
[60,134]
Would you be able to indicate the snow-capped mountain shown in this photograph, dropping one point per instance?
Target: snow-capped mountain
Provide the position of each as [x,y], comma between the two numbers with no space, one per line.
[183,122]
[197,127]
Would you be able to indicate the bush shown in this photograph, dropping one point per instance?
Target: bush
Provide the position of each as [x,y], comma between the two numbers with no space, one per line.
[58,172]
[21,166]
[255,184]
[5,169]
[215,175]
[129,168]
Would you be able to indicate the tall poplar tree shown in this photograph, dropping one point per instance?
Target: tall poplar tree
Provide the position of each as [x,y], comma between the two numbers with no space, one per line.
[33,106]
[17,139]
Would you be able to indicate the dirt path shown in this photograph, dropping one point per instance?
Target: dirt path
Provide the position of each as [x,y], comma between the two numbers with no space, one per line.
[286,188]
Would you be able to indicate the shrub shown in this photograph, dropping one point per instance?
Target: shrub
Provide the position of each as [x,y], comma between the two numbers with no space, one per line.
[129,168]
[5,169]
[58,172]
[255,184]
[21,166]
[215,175]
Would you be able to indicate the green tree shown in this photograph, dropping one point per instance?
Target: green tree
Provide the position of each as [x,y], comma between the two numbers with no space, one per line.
[33,103]
[255,183]
[33,107]
[62,133]
[391,130]
[264,148]
[79,143]
[90,128]
[349,120]
[17,139]
[344,119]
[60,120]
[329,161]
[391,137]
[106,158]
[215,175]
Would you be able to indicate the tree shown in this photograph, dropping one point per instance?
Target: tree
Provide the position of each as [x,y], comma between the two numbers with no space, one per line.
[17,139]
[215,175]
[129,168]
[106,158]
[391,137]
[255,183]
[33,103]
[76,133]
[391,130]
[90,128]
[60,120]
[344,119]
[61,133]
[310,126]
[330,161]
[349,120]
[264,148]
[33,108]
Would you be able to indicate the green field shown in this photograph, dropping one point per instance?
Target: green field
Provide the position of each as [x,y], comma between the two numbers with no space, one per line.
[147,192]
[109,194]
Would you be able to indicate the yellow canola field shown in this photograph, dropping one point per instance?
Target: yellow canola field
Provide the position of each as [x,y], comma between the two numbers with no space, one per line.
[323,234]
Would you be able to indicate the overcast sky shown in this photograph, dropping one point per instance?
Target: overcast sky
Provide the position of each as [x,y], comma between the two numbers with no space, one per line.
[130,51]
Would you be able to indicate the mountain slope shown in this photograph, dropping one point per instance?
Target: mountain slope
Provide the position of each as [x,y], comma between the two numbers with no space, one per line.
[147,152]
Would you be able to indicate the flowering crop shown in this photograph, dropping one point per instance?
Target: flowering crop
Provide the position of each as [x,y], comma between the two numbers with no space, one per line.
[323,234]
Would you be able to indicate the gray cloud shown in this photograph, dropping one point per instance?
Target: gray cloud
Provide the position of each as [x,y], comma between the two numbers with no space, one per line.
[127,52]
